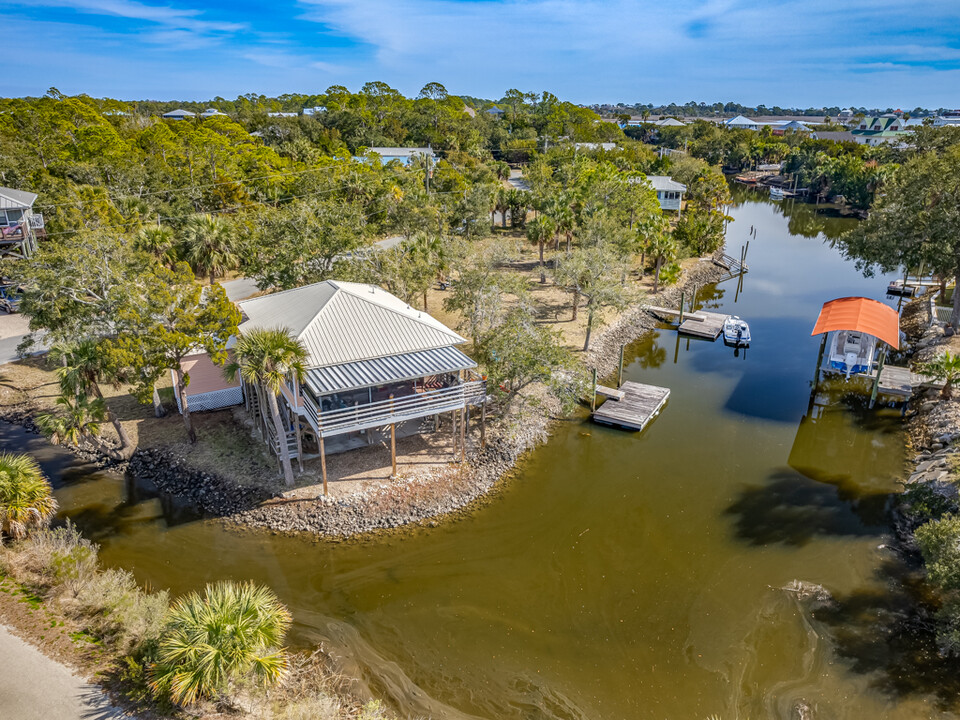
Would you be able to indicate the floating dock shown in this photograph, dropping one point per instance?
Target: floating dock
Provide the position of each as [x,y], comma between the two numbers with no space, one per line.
[901,381]
[639,405]
[703,324]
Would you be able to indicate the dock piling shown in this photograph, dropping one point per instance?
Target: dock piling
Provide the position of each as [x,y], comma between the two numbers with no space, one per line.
[620,371]
[593,392]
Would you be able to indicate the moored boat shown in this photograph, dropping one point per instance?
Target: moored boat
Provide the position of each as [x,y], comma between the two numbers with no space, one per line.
[736,332]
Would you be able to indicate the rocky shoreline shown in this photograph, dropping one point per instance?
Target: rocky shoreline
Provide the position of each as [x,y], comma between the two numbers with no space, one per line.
[420,499]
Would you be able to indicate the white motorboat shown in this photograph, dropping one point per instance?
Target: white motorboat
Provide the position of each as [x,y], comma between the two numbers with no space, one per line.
[736,332]
[777,193]
[851,352]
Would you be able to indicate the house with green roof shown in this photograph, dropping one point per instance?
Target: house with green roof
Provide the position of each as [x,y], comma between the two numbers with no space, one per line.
[879,130]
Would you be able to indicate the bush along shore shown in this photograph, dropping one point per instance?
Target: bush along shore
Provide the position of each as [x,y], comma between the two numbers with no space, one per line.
[523,423]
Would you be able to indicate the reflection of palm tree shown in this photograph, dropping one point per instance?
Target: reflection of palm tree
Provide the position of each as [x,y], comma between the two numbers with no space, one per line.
[652,357]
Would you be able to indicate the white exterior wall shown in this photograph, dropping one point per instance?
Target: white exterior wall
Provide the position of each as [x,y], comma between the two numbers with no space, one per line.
[669,203]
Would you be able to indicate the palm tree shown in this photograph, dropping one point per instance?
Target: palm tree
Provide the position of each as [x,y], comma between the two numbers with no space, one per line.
[663,248]
[159,242]
[539,230]
[26,498]
[431,252]
[209,246]
[80,373]
[944,367]
[79,418]
[233,633]
[266,358]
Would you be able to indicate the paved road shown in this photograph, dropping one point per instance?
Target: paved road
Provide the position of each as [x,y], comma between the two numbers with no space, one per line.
[517,181]
[34,687]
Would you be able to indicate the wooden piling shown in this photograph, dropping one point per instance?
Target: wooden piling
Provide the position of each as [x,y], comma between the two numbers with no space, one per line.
[593,392]
[876,380]
[620,371]
[323,454]
[453,431]
[681,307]
[816,375]
[463,434]
[483,423]
[393,442]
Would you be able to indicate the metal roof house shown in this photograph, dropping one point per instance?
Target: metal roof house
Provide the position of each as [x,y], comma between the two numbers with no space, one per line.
[372,362]
[211,112]
[19,225]
[403,155]
[741,123]
[879,130]
[178,114]
[669,191]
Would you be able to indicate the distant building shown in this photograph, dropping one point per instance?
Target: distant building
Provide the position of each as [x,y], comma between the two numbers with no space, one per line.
[669,191]
[469,111]
[211,112]
[19,225]
[783,128]
[178,114]
[879,130]
[318,110]
[669,122]
[834,135]
[741,123]
[403,155]
[595,146]
[496,112]
[950,117]
[281,114]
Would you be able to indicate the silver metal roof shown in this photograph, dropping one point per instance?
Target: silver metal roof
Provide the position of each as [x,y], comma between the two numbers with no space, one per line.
[341,322]
[381,371]
[663,182]
[11,199]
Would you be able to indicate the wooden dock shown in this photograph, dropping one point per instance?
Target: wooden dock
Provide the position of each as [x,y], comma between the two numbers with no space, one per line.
[640,404]
[703,324]
[901,381]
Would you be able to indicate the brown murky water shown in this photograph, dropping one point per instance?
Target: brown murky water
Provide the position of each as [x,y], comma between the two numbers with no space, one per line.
[620,575]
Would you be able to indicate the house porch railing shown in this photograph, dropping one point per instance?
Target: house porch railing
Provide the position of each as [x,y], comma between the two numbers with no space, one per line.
[387,412]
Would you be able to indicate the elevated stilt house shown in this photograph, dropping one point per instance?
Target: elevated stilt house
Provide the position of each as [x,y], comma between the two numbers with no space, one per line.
[19,225]
[374,364]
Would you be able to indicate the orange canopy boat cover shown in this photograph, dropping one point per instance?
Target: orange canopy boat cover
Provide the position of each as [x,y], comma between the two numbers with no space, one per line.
[860,314]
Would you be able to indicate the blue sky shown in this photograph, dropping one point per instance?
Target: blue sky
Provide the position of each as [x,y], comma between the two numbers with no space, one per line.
[778,52]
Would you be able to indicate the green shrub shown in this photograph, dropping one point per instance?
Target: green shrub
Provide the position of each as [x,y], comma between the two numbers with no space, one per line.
[56,557]
[670,273]
[925,502]
[939,542]
[210,644]
[119,611]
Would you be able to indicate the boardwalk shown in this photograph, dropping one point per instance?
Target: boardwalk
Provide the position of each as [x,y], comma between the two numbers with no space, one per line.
[640,404]
[703,324]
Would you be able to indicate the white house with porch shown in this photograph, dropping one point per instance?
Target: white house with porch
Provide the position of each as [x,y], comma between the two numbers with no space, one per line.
[19,225]
[669,191]
[374,364]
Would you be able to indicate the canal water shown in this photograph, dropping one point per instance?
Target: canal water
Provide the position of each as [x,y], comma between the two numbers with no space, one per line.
[620,575]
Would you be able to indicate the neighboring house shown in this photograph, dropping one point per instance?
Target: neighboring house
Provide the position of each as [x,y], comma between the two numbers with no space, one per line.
[846,116]
[469,111]
[835,135]
[403,155]
[669,191]
[372,362]
[950,117]
[791,126]
[879,130]
[595,146]
[741,123]
[211,112]
[669,122]
[178,114]
[19,225]
[496,112]
[318,110]
[281,114]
